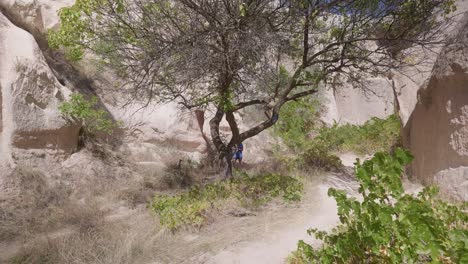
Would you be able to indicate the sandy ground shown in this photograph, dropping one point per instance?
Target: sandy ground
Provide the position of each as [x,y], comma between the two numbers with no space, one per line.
[269,236]
[279,231]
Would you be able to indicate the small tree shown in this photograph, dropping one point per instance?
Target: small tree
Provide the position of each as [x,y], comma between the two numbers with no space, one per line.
[232,54]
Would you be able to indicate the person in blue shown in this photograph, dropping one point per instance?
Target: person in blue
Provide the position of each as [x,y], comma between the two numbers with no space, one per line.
[238,154]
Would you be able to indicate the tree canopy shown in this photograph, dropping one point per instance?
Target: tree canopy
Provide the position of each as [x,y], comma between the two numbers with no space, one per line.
[231,54]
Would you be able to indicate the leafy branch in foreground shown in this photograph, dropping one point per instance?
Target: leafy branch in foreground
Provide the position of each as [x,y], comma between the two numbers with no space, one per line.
[388,226]
[86,113]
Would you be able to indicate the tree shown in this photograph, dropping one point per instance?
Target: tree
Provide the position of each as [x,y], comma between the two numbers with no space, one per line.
[233,54]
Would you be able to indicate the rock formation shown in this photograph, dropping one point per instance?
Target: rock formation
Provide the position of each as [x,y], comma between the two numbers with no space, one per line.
[437,130]
[354,105]
[30,95]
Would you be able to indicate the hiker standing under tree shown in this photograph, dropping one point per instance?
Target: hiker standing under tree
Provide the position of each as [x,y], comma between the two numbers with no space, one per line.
[238,154]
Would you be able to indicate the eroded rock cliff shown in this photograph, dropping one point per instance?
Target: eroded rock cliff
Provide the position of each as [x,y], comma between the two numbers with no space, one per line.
[30,96]
[437,130]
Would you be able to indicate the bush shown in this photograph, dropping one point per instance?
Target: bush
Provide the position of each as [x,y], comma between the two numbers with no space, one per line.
[86,113]
[256,191]
[373,136]
[180,174]
[318,156]
[388,226]
[298,119]
[191,208]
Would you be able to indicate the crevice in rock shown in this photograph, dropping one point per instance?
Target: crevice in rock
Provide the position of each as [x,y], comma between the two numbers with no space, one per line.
[64,71]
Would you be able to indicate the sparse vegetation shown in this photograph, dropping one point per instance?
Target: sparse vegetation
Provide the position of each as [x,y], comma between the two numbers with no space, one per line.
[87,114]
[107,243]
[191,208]
[28,208]
[388,226]
[316,145]
[373,136]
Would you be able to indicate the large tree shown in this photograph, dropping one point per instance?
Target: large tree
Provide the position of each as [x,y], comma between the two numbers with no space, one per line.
[232,54]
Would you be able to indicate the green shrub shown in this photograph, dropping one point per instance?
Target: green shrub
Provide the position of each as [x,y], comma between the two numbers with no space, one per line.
[86,113]
[320,157]
[191,208]
[176,211]
[373,136]
[297,120]
[255,191]
[388,226]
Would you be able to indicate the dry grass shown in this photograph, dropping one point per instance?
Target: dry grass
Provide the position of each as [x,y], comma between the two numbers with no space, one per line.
[47,223]
[180,174]
[28,207]
[82,222]
[185,173]
[141,191]
[128,241]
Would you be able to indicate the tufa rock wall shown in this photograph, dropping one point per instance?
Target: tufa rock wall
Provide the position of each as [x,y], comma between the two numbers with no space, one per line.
[437,130]
[30,97]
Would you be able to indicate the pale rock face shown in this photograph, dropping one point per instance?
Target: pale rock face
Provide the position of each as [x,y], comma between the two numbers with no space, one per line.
[408,81]
[352,105]
[30,96]
[155,123]
[39,15]
[160,134]
[329,113]
[437,131]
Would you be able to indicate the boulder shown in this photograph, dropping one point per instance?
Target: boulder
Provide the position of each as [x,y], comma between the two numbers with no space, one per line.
[437,130]
[30,96]
[408,80]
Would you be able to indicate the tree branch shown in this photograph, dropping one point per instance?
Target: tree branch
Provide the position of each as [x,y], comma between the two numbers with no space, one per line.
[301,94]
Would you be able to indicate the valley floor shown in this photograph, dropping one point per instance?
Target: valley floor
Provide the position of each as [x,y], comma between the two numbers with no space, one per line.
[269,236]
[125,235]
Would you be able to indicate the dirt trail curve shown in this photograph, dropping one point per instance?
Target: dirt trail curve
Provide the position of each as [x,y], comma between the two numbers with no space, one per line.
[268,237]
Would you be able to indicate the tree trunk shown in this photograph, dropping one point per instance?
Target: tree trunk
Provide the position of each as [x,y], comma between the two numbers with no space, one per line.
[225,153]
[200,115]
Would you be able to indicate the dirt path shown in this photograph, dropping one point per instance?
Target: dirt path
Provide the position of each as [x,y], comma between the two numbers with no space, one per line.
[278,232]
[265,236]
[268,237]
